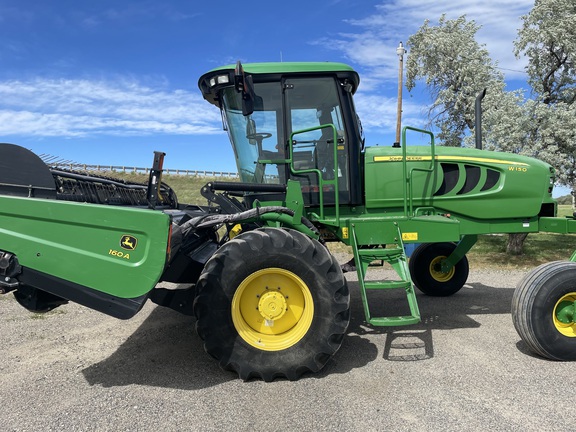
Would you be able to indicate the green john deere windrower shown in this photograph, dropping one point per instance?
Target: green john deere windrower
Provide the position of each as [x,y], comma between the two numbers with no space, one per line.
[269,298]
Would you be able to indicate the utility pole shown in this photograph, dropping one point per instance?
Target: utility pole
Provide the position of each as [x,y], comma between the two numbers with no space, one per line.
[400,51]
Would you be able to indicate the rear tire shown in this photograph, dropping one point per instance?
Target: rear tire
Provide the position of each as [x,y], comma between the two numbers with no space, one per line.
[543,310]
[424,266]
[272,303]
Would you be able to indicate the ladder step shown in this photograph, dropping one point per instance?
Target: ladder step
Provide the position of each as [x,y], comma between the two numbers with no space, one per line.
[387,284]
[394,321]
[396,257]
[378,254]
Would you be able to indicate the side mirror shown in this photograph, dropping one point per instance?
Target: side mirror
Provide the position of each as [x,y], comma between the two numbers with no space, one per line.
[243,84]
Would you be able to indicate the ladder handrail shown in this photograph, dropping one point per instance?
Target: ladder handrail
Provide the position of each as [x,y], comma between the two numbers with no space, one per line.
[321,181]
[408,195]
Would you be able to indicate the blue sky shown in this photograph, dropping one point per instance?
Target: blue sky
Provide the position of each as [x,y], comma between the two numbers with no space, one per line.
[111,81]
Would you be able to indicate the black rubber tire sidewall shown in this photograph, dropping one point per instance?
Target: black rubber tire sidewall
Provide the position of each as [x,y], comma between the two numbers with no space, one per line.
[267,248]
[419,266]
[533,306]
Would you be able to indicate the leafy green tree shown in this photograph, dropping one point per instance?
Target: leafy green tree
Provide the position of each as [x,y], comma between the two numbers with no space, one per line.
[548,39]
[455,68]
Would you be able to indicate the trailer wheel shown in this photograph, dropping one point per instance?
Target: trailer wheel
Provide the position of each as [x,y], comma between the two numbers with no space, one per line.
[272,303]
[425,269]
[543,310]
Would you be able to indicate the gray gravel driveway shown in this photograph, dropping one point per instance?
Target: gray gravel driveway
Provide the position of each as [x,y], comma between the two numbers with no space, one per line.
[463,368]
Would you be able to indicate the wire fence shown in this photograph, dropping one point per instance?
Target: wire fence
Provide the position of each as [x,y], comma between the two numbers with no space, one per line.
[139,170]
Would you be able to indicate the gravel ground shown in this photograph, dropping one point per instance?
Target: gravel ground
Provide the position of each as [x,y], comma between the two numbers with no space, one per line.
[463,368]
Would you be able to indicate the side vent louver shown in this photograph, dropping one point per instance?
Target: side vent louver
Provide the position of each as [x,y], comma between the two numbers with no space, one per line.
[492,178]
[451,175]
[472,179]
[473,174]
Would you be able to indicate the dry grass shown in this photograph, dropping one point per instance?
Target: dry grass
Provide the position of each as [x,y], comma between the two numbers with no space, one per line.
[187,187]
[490,251]
[539,248]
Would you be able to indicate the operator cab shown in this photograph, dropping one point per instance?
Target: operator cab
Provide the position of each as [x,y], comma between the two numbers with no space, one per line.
[292,121]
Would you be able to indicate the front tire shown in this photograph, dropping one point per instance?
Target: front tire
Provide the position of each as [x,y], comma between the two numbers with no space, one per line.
[427,275]
[272,303]
[543,310]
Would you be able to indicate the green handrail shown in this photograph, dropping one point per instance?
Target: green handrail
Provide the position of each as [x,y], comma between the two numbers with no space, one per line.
[408,196]
[321,181]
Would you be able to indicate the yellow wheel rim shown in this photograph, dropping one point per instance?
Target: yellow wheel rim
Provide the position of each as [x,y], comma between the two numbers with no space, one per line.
[272,309]
[437,273]
[563,315]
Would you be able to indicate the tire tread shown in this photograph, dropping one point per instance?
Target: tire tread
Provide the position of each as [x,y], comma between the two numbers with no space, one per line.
[527,297]
[312,255]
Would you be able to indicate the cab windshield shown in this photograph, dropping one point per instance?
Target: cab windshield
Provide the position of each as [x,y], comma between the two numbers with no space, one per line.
[309,106]
[256,137]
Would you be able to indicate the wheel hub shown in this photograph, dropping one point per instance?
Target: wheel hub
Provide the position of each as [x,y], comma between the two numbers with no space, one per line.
[565,312]
[272,309]
[272,305]
[436,270]
[565,315]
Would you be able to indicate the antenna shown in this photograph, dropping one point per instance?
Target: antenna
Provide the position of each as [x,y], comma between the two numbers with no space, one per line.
[400,51]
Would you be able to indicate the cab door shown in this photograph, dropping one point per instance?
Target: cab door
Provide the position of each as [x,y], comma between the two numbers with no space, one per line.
[319,144]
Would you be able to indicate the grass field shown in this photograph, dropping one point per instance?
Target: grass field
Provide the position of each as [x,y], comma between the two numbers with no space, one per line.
[489,252]
[187,187]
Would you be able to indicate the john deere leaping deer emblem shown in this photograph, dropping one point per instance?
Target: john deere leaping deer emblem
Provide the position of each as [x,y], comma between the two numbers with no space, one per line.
[128,242]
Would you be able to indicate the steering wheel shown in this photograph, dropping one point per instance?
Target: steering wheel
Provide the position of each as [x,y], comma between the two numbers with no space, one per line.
[259,136]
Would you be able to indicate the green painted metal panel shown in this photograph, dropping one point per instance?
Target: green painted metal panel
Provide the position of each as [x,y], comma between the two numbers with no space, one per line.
[209,83]
[116,250]
[288,67]
[375,226]
[426,229]
[557,225]
[516,225]
[473,183]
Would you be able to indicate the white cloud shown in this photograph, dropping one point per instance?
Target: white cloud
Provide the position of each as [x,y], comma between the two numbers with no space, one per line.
[72,108]
[374,45]
[370,41]
[137,12]
[379,113]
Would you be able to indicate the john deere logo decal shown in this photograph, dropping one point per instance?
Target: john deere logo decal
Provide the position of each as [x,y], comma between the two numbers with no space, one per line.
[128,242]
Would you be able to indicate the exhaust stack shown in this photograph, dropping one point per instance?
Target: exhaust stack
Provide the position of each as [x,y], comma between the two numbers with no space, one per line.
[478,119]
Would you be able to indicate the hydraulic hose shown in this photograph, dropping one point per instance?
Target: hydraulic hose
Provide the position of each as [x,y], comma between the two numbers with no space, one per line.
[217,219]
